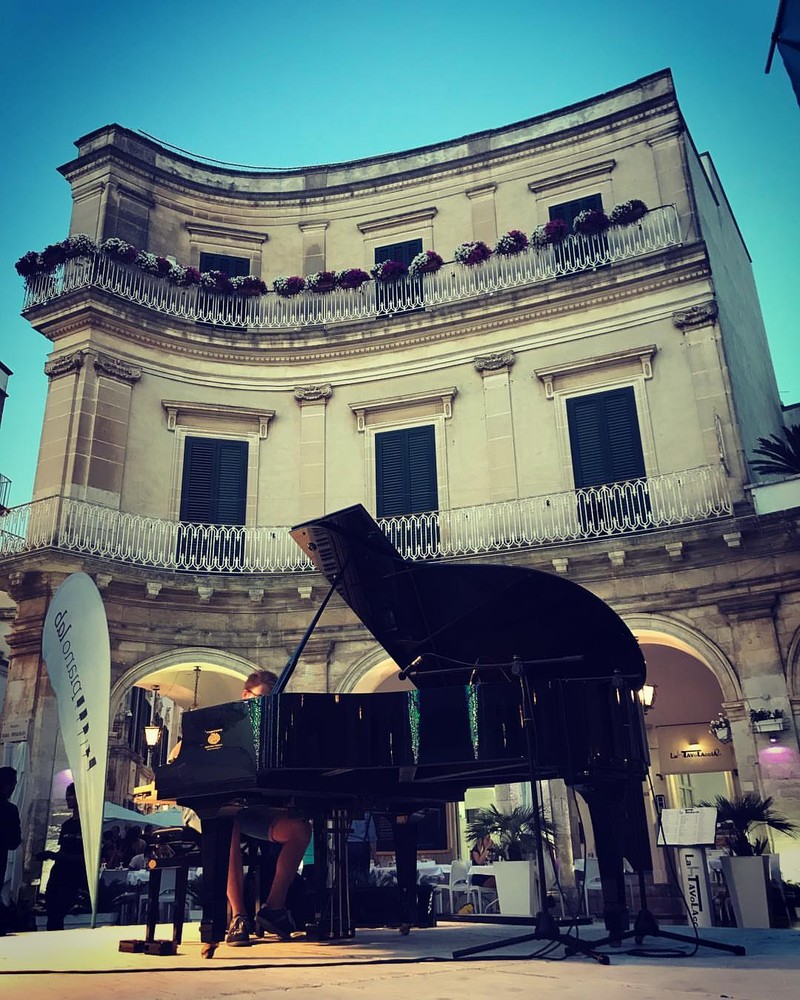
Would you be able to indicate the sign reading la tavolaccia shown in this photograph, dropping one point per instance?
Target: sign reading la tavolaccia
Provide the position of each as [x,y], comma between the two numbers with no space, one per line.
[692,749]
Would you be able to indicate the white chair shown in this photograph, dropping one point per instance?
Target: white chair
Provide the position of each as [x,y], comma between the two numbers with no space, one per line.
[458,885]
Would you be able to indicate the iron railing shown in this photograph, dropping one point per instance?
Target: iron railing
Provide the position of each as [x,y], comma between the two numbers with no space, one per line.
[657,230]
[599,512]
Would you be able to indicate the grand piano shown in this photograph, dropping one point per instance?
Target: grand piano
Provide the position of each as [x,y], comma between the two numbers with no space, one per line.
[517,674]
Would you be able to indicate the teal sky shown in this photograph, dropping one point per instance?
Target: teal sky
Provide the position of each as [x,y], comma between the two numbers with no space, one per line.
[287,84]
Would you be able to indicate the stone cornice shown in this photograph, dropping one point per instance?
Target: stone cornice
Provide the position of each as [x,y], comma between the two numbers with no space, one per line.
[575,176]
[435,397]
[406,220]
[642,355]
[65,365]
[215,411]
[217,232]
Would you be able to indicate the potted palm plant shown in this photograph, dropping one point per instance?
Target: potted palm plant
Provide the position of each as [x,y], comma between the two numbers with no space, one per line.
[747,866]
[515,833]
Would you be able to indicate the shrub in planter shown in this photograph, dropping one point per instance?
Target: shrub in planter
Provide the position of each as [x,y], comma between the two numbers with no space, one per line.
[287,287]
[53,255]
[426,262]
[30,263]
[79,245]
[351,277]
[184,276]
[322,281]
[628,212]
[248,285]
[472,253]
[589,222]
[551,232]
[217,281]
[389,270]
[514,241]
[120,250]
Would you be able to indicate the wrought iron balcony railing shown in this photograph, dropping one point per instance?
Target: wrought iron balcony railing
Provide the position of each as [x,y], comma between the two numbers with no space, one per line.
[657,230]
[5,489]
[618,509]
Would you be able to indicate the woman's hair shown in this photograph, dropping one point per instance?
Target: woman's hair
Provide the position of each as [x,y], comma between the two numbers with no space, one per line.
[265,677]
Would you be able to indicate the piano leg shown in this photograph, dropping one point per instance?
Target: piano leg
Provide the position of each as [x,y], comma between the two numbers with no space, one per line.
[333,919]
[607,808]
[404,830]
[216,844]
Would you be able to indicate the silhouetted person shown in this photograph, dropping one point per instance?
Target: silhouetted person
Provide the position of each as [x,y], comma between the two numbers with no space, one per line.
[67,880]
[10,833]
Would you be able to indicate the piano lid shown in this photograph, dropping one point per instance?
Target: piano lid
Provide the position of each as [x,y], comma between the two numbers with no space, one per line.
[455,614]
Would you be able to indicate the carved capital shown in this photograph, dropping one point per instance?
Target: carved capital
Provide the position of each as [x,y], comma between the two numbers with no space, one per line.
[686,319]
[105,364]
[313,393]
[64,365]
[494,362]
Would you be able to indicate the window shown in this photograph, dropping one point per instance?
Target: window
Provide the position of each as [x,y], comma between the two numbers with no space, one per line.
[234,267]
[607,448]
[568,210]
[405,466]
[213,491]
[399,296]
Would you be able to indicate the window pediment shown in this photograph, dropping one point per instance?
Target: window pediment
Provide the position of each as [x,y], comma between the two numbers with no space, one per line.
[209,413]
[635,360]
[392,408]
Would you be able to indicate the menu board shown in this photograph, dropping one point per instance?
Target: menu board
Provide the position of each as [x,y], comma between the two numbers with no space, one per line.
[687,827]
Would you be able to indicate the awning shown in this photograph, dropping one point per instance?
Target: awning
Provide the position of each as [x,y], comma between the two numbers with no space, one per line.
[114,813]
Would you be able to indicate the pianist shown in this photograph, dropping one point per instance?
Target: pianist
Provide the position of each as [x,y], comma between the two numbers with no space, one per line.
[277,826]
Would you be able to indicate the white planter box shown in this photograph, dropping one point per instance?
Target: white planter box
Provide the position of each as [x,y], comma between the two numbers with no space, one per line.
[747,880]
[769,725]
[516,888]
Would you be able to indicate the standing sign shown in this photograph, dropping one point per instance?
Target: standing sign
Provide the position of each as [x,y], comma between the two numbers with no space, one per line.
[77,654]
[689,829]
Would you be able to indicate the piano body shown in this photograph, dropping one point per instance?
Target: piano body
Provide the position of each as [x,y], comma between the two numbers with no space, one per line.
[468,635]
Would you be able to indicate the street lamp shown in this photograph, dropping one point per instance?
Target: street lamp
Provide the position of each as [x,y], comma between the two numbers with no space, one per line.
[152,731]
[647,696]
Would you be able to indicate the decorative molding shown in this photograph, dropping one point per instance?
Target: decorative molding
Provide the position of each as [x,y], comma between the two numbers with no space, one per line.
[310,227]
[484,191]
[687,319]
[256,594]
[203,231]
[444,397]
[572,177]
[313,393]
[102,580]
[748,607]
[560,565]
[617,558]
[733,539]
[105,364]
[152,589]
[64,365]
[204,593]
[644,355]
[674,550]
[304,591]
[488,363]
[407,220]
[174,408]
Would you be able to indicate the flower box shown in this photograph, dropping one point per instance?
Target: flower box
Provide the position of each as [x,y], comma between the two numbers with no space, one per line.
[389,270]
[628,212]
[769,725]
[512,242]
[351,277]
[427,262]
[287,287]
[472,253]
[590,222]
[321,282]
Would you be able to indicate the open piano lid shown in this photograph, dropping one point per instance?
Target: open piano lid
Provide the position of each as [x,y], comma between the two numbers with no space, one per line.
[458,614]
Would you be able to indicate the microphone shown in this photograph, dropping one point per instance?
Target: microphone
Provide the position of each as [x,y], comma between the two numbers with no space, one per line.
[407,670]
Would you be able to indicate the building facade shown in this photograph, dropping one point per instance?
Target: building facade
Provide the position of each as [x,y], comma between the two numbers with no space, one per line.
[586,405]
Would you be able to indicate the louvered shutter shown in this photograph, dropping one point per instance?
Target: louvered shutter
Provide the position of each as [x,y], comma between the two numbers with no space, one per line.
[567,210]
[405,252]
[405,462]
[234,267]
[214,488]
[604,438]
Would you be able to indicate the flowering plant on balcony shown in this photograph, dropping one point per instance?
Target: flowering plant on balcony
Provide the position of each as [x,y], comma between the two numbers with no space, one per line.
[389,270]
[184,276]
[249,285]
[514,241]
[551,232]
[30,263]
[589,222]
[120,250]
[321,281]
[628,212]
[79,245]
[52,256]
[426,262]
[472,253]
[153,264]
[351,277]
[287,287]
[216,281]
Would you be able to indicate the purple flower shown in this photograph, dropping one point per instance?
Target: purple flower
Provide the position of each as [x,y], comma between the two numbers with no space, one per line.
[590,221]
[322,281]
[351,277]
[53,255]
[30,263]
[389,270]
[628,212]
[472,253]
[287,287]
[249,285]
[427,262]
[514,241]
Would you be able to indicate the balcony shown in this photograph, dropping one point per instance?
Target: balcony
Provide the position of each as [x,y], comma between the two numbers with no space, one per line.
[636,506]
[454,283]
[5,489]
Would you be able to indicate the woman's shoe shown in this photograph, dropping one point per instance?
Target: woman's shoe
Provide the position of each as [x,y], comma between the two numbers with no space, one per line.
[276,922]
[238,932]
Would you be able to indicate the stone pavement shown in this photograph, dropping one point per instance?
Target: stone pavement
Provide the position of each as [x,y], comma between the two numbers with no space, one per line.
[383,965]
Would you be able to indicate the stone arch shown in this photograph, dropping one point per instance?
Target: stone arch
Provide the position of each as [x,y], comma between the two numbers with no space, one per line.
[367,672]
[217,659]
[793,666]
[679,635]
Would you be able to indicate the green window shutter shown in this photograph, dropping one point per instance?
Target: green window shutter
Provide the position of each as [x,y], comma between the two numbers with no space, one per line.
[604,438]
[569,209]
[214,486]
[405,462]
[405,252]
[234,267]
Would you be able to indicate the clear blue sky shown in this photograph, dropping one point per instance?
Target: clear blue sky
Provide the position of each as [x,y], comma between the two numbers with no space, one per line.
[290,84]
